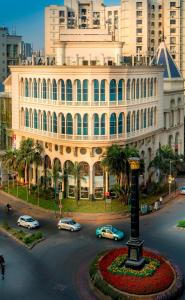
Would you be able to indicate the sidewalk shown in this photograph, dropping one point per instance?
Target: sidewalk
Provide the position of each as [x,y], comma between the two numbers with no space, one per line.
[27,208]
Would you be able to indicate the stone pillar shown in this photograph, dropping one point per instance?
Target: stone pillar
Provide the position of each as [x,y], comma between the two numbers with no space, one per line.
[60,54]
[34,173]
[91,183]
[106,181]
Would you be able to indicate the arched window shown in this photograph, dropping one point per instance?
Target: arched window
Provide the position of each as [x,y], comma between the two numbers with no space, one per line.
[96,90]
[96,124]
[128,122]
[69,124]
[152,88]
[155,87]
[152,117]
[133,121]
[133,89]
[44,89]
[34,88]
[54,122]
[35,119]
[26,88]
[63,127]
[27,118]
[120,123]
[69,93]
[137,120]
[148,87]
[128,89]
[85,124]
[102,90]
[62,87]
[79,124]
[54,90]
[142,119]
[113,90]
[137,89]
[120,90]
[145,118]
[44,121]
[113,127]
[79,90]
[145,88]
[85,90]
[103,124]
[142,89]
[148,117]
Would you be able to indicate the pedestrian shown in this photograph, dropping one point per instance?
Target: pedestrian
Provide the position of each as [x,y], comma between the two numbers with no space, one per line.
[2,261]
[2,271]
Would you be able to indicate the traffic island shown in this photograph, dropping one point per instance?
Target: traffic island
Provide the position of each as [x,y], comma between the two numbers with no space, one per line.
[157,279]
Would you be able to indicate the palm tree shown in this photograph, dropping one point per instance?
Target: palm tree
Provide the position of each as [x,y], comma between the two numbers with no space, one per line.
[9,160]
[76,170]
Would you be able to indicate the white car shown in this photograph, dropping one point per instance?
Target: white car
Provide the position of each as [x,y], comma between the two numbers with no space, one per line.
[182,190]
[68,224]
[27,221]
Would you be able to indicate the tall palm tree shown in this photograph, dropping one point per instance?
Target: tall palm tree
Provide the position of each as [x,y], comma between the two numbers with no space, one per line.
[9,160]
[76,170]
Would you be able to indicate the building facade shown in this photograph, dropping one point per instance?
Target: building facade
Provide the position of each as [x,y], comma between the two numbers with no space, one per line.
[77,111]
[139,24]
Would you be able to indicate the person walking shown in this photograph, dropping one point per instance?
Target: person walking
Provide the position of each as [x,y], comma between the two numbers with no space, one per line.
[2,271]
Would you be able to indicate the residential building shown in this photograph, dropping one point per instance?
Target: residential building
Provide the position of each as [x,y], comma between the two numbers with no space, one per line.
[10,50]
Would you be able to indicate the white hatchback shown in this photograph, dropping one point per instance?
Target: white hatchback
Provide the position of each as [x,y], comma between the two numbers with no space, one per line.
[28,222]
[68,224]
[182,190]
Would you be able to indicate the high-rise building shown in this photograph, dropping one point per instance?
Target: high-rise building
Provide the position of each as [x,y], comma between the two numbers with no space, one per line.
[10,50]
[26,50]
[139,24]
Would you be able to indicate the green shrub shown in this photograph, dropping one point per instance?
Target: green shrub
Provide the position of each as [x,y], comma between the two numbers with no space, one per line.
[38,235]
[181,223]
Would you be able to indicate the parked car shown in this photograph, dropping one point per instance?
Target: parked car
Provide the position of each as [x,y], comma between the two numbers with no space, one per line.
[28,222]
[182,190]
[68,224]
[109,232]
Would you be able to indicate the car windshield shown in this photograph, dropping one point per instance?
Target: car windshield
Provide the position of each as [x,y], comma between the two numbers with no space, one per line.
[30,220]
[72,222]
[114,230]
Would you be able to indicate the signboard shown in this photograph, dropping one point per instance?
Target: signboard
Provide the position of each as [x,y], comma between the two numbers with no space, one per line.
[60,196]
[108,201]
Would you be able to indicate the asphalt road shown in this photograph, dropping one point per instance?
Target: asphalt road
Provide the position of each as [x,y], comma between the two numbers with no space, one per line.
[57,268]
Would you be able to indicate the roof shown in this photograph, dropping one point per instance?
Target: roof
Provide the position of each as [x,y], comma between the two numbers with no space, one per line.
[164,58]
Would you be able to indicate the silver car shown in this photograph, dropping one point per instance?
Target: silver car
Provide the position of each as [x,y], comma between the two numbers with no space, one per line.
[27,221]
[68,224]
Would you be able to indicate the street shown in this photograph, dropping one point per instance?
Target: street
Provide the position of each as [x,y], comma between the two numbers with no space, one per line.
[57,268]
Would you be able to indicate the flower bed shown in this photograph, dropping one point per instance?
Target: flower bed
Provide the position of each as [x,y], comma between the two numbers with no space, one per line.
[157,281]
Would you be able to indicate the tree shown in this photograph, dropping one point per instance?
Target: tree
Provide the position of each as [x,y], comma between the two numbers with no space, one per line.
[76,170]
[9,160]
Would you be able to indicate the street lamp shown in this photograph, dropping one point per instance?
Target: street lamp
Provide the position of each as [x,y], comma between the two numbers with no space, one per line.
[135,260]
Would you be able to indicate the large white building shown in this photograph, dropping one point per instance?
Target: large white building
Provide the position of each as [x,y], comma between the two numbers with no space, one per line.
[80,106]
[139,24]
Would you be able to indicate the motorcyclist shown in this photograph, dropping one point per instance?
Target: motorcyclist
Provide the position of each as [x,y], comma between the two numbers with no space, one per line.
[8,207]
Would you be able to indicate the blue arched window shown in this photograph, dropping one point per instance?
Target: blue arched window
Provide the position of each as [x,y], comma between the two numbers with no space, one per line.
[85,124]
[103,124]
[44,121]
[137,120]
[120,123]
[54,122]
[85,90]
[128,122]
[34,88]
[96,90]
[102,90]
[44,89]
[63,124]
[54,90]
[128,89]
[113,127]
[120,90]
[79,124]
[96,124]
[137,89]
[133,121]
[113,90]
[79,90]
[69,93]
[152,117]
[50,122]
[144,118]
[27,118]
[26,88]
[152,88]
[69,124]
[35,119]
[62,87]
[145,88]
[141,88]
[133,89]
[148,94]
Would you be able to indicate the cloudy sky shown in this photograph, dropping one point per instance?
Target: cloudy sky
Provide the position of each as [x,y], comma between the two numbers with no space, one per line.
[26,17]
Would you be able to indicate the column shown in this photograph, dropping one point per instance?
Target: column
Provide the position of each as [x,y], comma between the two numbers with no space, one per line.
[91,183]
[34,174]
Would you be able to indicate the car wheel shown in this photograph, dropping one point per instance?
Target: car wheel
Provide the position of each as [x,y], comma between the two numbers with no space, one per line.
[115,238]
[99,235]
[72,229]
[59,227]
[18,224]
[29,227]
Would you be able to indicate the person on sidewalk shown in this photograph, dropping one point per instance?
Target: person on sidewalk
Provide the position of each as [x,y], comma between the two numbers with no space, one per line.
[2,261]
[2,271]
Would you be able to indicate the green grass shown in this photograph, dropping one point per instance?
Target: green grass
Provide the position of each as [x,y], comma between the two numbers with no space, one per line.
[181,224]
[70,205]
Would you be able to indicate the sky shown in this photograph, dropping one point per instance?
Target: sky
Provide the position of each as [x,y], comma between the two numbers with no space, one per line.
[26,17]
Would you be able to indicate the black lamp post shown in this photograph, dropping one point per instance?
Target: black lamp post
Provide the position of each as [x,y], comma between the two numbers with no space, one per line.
[135,260]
